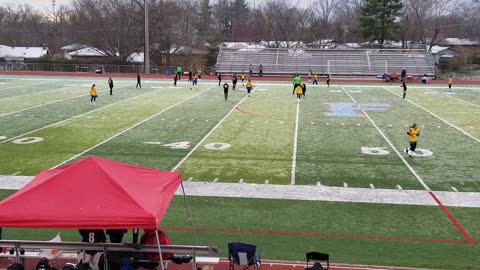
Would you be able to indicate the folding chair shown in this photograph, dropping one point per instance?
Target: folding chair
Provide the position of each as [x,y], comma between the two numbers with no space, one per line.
[243,255]
[317,257]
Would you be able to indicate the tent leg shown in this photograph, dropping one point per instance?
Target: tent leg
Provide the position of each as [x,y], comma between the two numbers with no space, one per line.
[105,259]
[159,249]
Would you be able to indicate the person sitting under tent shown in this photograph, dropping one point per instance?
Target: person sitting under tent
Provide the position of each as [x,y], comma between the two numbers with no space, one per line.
[151,260]
[394,76]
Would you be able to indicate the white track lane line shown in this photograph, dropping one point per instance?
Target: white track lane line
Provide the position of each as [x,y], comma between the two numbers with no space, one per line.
[295,141]
[125,130]
[390,143]
[206,136]
[459,99]
[445,121]
[76,116]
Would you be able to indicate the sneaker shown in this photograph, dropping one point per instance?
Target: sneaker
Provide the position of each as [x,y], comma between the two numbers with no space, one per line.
[406,150]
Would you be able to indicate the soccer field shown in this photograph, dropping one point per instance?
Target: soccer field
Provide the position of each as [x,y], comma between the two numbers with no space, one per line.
[346,135]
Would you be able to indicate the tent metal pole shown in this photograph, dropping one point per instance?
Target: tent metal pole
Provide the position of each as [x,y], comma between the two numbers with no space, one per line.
[159,249]
[189,214]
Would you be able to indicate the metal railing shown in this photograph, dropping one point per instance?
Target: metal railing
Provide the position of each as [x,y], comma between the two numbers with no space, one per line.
[194,251]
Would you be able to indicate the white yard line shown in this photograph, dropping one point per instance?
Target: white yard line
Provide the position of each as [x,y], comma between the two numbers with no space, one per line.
[76,116]
[443,120]
[459,99]
[420,180]
[295,141]
[125,130]
[304,193]
[206,136]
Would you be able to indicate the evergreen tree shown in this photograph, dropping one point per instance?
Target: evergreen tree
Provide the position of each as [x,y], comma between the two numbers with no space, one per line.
[378,19]
[204,18]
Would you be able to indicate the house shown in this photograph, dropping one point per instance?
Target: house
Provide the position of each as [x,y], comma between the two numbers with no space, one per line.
[71,48]
[90,55]
[136,58]
[440,54]
[467,49]
[22,54]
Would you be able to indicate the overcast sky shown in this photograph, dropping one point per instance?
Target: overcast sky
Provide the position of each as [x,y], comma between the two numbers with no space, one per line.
[47,4]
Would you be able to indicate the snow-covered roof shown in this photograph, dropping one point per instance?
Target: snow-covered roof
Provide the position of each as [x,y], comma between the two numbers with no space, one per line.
[136,57]
[460,41]
[22,52]
[89,51]
[74,47]
[436,49]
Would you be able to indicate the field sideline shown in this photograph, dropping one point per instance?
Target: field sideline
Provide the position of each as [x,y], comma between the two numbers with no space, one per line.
[340,138]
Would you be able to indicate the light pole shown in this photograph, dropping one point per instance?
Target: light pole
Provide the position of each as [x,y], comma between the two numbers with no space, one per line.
[146,53]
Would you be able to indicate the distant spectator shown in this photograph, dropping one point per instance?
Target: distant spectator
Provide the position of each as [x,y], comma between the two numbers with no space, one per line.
[424,79]
[386,77]
[394,76]
[260,70]
[149,238]
[250,71]
[92,236]
[116,236]
[219,78]
[328,80]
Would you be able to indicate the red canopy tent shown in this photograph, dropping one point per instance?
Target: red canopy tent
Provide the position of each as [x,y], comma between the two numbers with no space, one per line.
[92,193]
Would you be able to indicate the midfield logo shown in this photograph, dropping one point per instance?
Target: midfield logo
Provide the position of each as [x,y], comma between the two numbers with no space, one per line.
[355,109]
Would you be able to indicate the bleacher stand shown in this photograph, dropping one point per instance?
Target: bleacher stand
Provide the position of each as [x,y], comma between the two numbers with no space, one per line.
[348,63]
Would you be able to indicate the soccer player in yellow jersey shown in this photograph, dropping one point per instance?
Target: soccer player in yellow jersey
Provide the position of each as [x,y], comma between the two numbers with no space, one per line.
[315,79]
[242,77]
[249,87]
[450,81]
[413,132]
[93,94]
[299,90]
